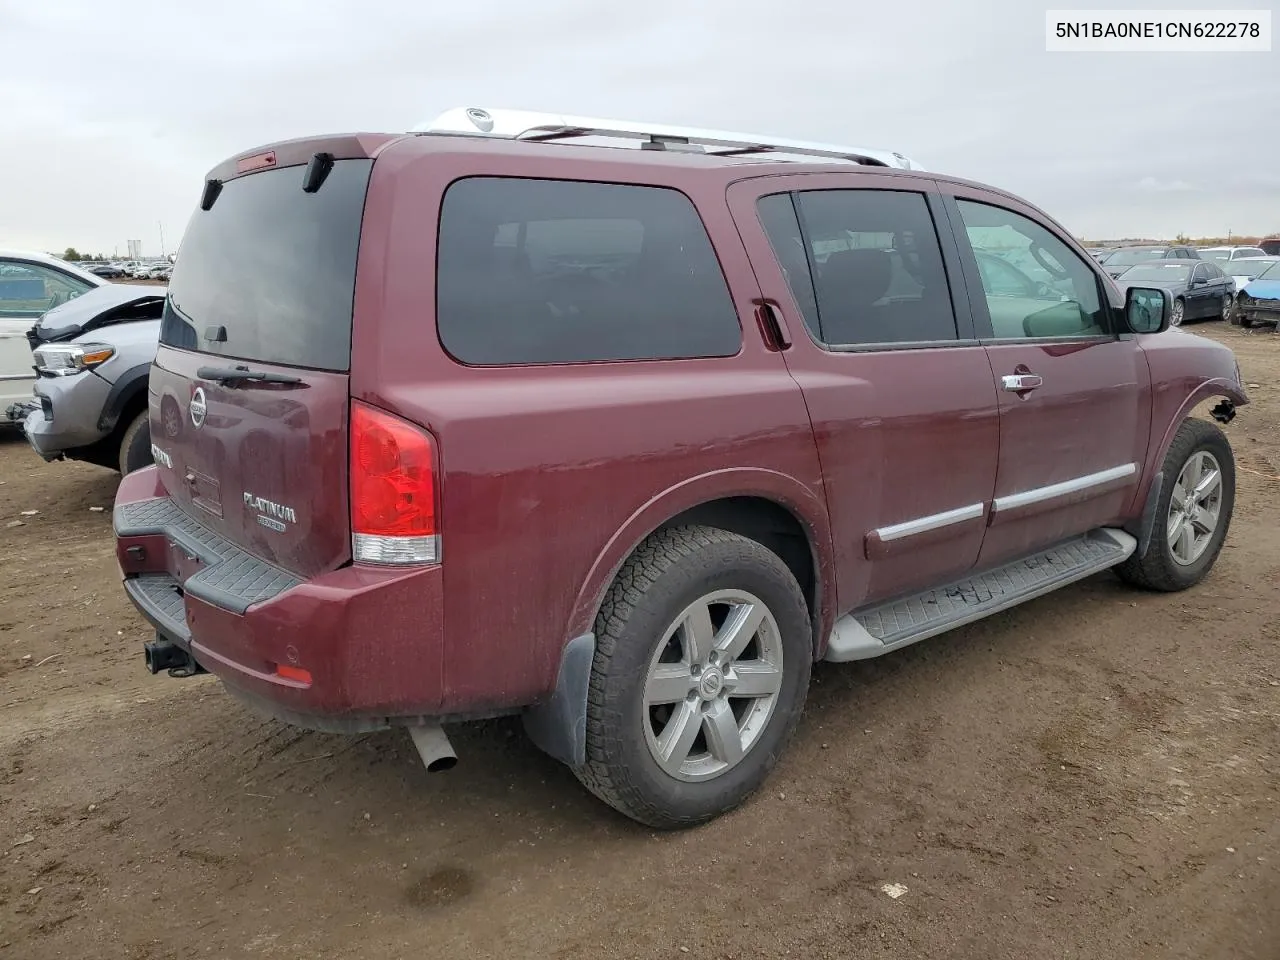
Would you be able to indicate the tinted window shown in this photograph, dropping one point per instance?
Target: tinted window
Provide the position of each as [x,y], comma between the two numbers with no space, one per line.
[1065,302]
[1201,272]
[554,271]
[274,266]
[1249,252]
[877,267]
[1129,257]
[778,216]
[29,289]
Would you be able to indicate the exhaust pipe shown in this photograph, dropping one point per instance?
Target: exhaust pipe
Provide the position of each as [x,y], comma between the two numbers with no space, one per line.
[434,748]
[167,655]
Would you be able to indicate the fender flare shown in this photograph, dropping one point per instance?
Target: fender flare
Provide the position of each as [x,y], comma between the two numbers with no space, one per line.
[558,724]
[1217,387]
[122,391]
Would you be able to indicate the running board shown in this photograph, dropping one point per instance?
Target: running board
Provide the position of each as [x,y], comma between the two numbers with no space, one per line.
[880,629]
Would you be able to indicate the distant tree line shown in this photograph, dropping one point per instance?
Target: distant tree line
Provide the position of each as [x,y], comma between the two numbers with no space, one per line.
[72,255]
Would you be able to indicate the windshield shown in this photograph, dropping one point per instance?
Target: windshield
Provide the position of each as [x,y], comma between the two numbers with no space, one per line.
[1270,271]
[1215,254]
[268,273]
[1247,268]
[1159,272]
[1122,257]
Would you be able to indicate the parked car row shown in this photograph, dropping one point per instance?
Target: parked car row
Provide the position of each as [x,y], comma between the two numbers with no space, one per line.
[1117,259]
[138,270]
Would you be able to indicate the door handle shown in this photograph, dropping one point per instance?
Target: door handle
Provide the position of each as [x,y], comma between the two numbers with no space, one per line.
[1020,382]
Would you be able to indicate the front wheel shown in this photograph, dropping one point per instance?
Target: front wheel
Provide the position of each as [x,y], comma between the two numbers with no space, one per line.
[1193,512]
[1176,315]
[703,656]
[135,445]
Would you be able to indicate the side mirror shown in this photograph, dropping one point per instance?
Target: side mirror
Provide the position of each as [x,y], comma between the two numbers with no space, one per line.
[1146,310]
[1199,282]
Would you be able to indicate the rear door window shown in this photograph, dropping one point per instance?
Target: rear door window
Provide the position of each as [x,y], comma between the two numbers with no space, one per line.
[864,265]
[268,272]
[561,271]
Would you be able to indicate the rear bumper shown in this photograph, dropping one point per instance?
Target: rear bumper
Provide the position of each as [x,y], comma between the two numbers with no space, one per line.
[369,638]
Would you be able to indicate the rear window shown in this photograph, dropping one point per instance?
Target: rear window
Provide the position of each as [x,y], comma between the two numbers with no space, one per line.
[272,266]
[559,271]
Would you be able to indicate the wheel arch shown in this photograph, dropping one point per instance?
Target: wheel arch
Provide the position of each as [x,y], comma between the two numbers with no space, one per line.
[1207,390]
[123,398]
[745,500]
[769,507]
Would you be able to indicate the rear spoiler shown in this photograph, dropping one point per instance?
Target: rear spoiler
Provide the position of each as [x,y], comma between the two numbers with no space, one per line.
[292,153]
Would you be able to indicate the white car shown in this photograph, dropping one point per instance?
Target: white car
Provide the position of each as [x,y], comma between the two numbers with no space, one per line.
[30,284]
[1221,254]
[1245,269]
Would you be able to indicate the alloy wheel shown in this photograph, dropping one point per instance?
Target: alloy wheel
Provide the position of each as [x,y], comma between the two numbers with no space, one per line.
[1194,508]
[712,685]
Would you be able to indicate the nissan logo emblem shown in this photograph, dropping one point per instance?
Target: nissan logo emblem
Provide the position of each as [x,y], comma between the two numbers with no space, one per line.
[198,408]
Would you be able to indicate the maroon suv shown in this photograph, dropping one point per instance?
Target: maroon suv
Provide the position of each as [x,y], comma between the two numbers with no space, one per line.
[623,440]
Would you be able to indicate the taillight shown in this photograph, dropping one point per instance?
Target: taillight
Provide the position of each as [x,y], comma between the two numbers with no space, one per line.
[393,489]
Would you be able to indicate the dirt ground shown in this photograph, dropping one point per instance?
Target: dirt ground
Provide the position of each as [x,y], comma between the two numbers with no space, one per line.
[1095,774]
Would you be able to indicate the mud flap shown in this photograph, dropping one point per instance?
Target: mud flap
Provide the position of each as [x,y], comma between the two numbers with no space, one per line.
[558,726]
[1148,523]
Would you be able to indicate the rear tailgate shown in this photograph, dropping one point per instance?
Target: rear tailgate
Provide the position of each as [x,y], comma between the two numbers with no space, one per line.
[249,392]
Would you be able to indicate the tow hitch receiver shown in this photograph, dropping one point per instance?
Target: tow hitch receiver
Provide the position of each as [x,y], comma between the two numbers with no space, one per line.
[164,654]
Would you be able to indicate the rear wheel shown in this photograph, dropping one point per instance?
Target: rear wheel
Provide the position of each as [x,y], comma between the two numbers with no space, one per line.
[1227,303]
[135,445]
[703,655]
[1193,512]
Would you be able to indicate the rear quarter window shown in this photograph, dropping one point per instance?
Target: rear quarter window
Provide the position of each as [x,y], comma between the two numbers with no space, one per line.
[559,271]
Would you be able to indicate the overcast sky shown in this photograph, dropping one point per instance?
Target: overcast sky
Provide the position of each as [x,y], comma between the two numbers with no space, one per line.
[108,122]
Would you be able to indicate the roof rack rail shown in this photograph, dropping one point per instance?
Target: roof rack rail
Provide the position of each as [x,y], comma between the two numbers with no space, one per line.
[529,125]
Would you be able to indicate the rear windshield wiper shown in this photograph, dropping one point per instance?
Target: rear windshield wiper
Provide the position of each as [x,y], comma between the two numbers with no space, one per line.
[237,374]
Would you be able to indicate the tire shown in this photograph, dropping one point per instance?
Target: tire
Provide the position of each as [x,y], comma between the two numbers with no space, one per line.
[673,572]
[1227,303]
[135,445]
[1178,314]
[1161,568]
